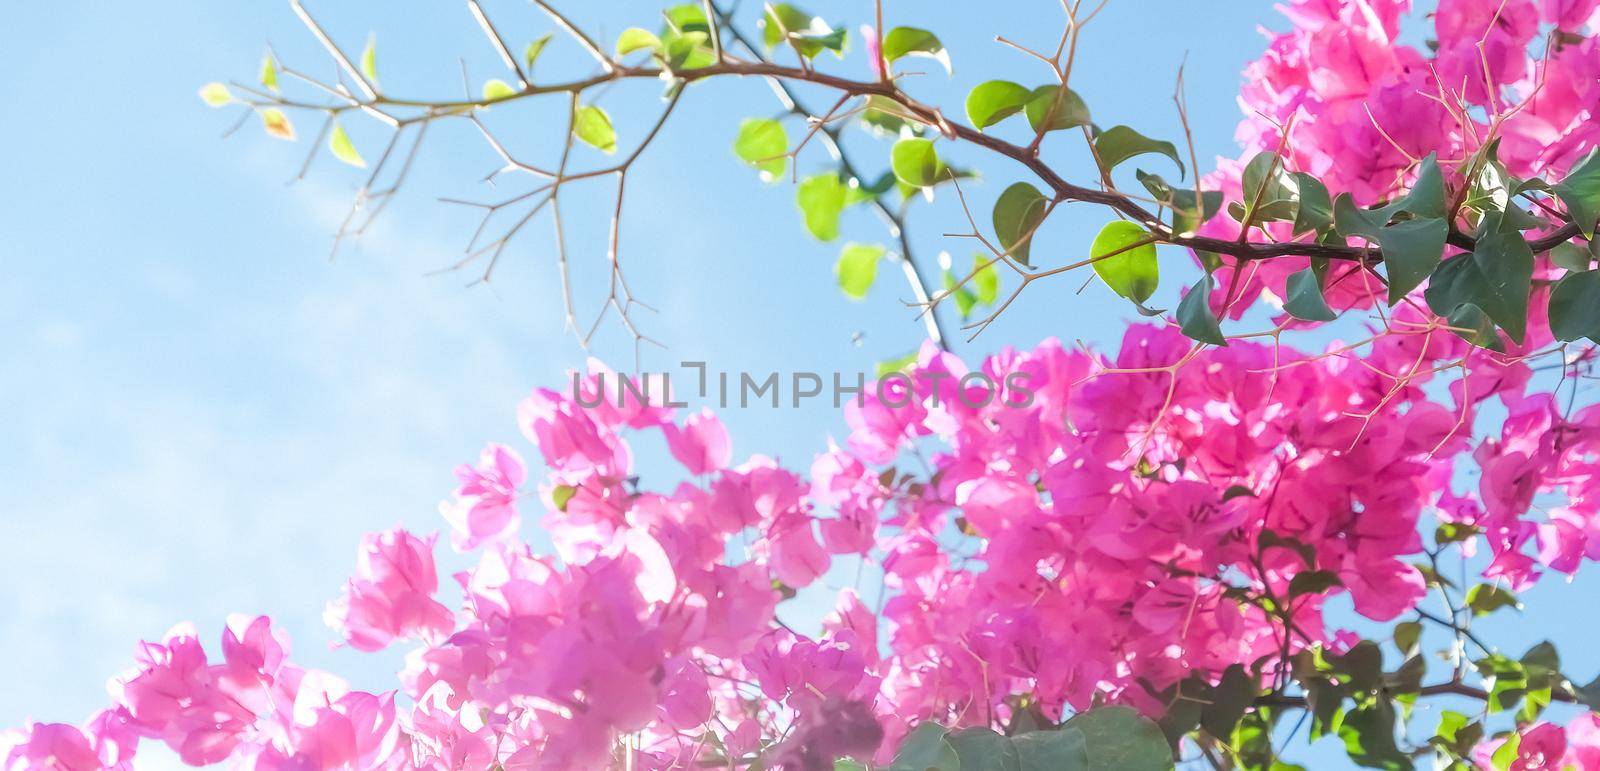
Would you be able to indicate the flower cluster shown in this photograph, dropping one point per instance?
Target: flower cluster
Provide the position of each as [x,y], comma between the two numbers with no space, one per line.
[1145,518]
[1362,107]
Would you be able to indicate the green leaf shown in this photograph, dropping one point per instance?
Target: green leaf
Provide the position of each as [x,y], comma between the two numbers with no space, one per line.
[277,124]
[807,34]
[1119,143]
[1304,287]
[1412,248]
[343,149]
[915,162]
[994,101]
[1471,324]
[1484,599]
[1368,735]
[965,299]
[1071,112]
[981,749]
[1120,739]
[269,72]
[986,283]
[1228,701]
[897,364]
[686,18]
[1017,214]
[496,89]
[1315,212]
[1313,582]
[531,53]
[369,60]
[910,41]
[1575,306]
[592,125]
[1407,637]
[688,51]
[561,495]
[763,143]
[1064,749]
[821,198]
[1573,257]
[1195,318]
[1497,277]
[1269,191]
[1580,191]
[1186,215]
[215,94]
[636,39]
[857,268]
[926,749]
[1131,271]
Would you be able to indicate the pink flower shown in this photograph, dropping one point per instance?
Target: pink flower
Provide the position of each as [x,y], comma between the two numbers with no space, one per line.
[391,594]
[701,445]
[485,507]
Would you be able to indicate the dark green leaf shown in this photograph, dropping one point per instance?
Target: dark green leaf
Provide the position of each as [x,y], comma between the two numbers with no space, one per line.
[1119,143]
[1471,324]
[1017,213]
[1056,750]
[926,749]
[995,101]
[1313,582]
[1229,699]
[1407,637]
[1368,735]
[1195,317]
[1315,213]
[1575,306]
[1068,111]
[1130,269]
[1305,300]
[1120,739]
[1580,191]
[981,749]
[1496,277]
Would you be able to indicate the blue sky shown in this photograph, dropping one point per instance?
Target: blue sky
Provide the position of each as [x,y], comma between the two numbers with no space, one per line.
[204,413]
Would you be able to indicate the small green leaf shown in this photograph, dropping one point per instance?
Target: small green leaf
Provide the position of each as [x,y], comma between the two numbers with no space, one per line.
[910,41]
[857,268]
[764,144]
[821,198]
[994,101]
[915,162]
[215,94]
[1575,306]
[636,39]
[1119,143]
[277,124]
[1496,277]
[369,60]
[1228,701]
[531,53]
[561,495]
[1412,248]
[926,749]
[965,299]
[1484,599]
[1313,582]
[1130,269]
[1407,636]
[1580,191]
[343,149]
[1070,112]
[1195,318]
[1573,257]
[1017,214]
[807,34]
[592,125]
[1305,300]
[1471,324]
[269,72]
[986,283]
[496,89]
[897,364]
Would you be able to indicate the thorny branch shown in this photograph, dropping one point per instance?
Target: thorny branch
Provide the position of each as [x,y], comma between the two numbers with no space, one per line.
[401,113]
